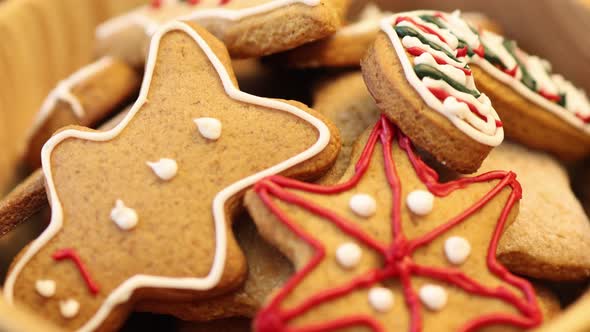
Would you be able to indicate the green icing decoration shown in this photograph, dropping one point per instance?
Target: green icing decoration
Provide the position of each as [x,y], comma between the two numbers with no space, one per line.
[423,70]
[526,79]
[407,31]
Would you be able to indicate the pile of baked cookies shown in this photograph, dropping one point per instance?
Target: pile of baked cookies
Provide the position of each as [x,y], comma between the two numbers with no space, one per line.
[394,203]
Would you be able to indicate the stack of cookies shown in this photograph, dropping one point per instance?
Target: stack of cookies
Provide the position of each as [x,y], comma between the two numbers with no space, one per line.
[423,190]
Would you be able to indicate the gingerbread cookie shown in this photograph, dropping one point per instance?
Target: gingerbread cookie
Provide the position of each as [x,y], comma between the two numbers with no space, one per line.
[343,49]
[143,211]
[539,108]
[550,238]
[417,72]
[267,270]
[248,28]
[345,101]
[86,98]
[390,248]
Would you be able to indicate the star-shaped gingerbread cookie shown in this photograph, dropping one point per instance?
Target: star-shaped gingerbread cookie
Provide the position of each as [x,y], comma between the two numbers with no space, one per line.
[143,211]
[392,249]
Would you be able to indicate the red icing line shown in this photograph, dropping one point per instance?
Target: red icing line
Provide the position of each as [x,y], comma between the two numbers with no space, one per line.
[550,96]
[69,253]
[461,52]
[223,2]
[512,72]
[480,50]
[422,27]
[156,3]
[441,95]
[398,262]
[440,15]
[416,51]
[585,119]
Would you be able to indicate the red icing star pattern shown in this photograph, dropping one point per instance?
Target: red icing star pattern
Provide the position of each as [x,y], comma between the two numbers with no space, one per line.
[397,256]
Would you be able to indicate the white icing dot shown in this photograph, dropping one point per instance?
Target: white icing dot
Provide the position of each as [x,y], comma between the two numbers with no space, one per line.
[420,202]
[348,255]
[126,218]
[457,249]
[69,308]
[209,127]
[45,288]
[363,205]
[434,297]
[164,168]
[381,299]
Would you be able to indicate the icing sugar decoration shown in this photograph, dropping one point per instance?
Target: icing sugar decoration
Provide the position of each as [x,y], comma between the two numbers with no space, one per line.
[209,128]
[69,308]
[126,218]
[348,255]
[363,205]
[45,288]
[381,299]
[434,297]
[420,202]
[164,168]
[457,249]
[71,254]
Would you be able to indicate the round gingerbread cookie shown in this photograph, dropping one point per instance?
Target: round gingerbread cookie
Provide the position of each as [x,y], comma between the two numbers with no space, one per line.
[418,74]
[539,108]
[248,28]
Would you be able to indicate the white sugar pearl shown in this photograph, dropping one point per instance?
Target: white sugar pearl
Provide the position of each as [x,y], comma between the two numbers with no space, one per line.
[209,127]
[69,308]
[420,202]
[381,299]
[363,205]
[348,255]
[164,168]
[45,288]
[457,249]
[126,218]
[434,297]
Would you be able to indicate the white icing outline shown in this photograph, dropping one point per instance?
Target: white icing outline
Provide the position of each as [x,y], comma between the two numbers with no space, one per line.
[138,18]
[62,92]
[125,290]
[428,97]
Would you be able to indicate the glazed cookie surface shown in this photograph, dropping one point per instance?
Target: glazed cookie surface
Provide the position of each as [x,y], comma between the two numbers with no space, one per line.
[419,76]
[389,248]
[248,28]
[144,210]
